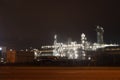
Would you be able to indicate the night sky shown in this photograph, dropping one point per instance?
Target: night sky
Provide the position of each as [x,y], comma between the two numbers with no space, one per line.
[26,23]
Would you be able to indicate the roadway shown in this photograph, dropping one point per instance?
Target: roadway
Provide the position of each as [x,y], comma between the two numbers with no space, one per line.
[59,73]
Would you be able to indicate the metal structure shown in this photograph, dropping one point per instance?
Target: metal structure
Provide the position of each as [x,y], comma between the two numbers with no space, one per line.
[75,50]
[100,32]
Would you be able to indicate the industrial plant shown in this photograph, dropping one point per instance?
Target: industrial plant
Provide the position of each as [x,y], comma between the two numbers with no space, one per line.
[72,50]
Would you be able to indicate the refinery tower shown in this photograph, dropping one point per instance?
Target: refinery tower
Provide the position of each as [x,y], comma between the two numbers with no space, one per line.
[100,32]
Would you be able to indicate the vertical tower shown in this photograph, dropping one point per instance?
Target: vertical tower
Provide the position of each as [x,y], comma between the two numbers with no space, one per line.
[83,38]
[55,39]
[69,40]
[100,32]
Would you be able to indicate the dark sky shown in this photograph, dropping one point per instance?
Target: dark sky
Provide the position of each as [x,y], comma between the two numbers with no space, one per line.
[25,23]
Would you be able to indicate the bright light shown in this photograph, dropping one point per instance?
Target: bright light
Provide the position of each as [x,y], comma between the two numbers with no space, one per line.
[84,54]
[57,54]
[76,56]
[70,56]
[0,48]
[89,58]
[35,55]
[10,49]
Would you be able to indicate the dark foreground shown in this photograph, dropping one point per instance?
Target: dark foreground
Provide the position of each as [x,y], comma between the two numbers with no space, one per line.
[59,73]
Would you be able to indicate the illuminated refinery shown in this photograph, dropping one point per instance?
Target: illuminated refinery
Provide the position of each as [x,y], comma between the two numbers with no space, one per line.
[73,50]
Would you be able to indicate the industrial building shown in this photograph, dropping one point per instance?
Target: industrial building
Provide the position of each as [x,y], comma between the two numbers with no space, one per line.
[14,56]
[84,50]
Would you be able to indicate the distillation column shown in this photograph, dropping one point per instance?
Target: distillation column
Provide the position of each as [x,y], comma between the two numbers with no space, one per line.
[100,32]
